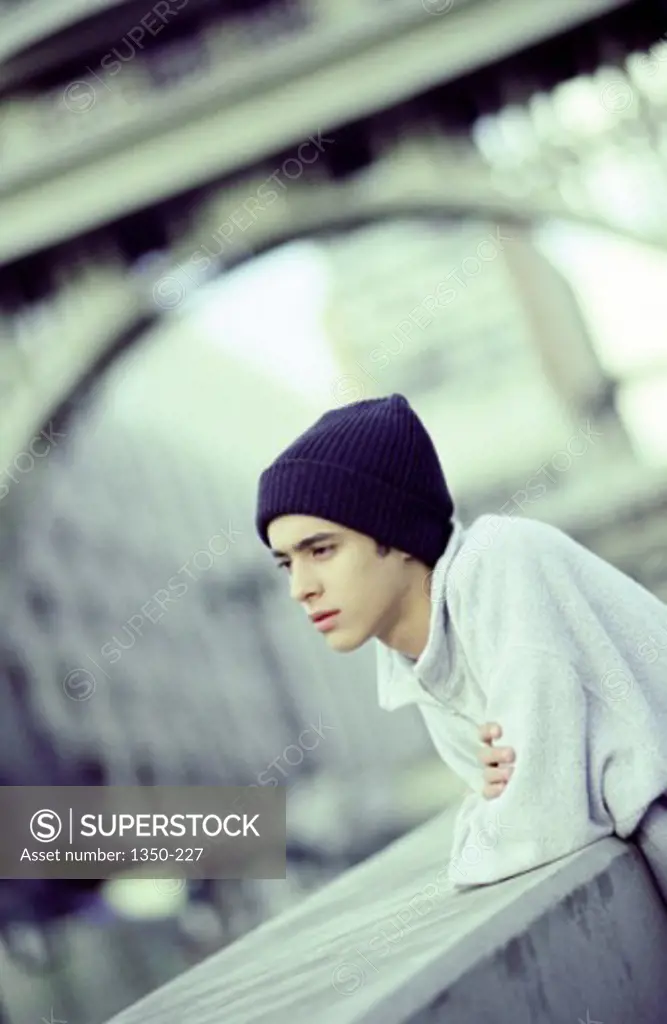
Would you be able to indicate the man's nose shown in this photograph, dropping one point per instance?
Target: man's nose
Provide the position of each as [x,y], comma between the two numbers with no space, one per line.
[303,584]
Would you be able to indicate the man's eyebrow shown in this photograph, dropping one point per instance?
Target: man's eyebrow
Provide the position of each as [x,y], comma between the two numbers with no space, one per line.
[307,542]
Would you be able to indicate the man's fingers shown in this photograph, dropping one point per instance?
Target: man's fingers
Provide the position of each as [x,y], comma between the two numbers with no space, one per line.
[496,775]
[496,755]
[493,789]
[489,732]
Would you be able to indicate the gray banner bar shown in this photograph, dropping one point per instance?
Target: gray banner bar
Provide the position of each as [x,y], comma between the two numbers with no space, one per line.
[146,831]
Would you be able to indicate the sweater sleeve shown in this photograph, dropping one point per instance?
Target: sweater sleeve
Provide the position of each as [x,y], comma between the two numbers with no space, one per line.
[545,811]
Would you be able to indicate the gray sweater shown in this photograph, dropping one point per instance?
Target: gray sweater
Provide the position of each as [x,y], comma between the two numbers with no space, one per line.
[569,655]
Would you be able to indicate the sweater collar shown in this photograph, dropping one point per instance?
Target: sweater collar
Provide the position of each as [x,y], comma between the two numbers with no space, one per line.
[402,680]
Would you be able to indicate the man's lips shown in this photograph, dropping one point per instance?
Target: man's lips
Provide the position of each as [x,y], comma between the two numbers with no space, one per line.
[318,616]
[323,620]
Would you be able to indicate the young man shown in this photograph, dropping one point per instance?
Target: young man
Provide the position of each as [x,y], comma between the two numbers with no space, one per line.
[508,621]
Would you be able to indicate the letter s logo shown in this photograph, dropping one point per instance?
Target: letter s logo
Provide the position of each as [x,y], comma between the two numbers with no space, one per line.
[647,653]
[45,826]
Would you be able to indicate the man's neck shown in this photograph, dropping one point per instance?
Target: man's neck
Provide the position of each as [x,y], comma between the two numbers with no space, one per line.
[410,632]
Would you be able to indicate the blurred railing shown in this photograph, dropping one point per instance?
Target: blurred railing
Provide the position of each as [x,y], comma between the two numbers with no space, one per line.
[107,122]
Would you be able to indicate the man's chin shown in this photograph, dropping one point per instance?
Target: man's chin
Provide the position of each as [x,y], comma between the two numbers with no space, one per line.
[343,642]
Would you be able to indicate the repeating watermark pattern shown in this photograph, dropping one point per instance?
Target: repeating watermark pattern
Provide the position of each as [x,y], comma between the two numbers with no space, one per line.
[80,96]
[618,683]
[651,649]
[80,683]
[312,731]
[350,387]
[650,62]
[437,6]
[24,463]
[170,886]
[154,609]
[229,237]
[348,976]
[316,732]
[560,462]
[532,491]
[618,97]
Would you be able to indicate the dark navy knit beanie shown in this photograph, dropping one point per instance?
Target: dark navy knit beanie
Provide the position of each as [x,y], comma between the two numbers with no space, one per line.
[370,466]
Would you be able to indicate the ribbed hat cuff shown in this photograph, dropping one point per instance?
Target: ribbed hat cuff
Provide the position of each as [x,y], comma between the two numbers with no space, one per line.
[355,500]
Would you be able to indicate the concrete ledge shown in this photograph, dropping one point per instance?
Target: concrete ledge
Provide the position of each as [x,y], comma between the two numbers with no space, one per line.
[581,939]
[587,943]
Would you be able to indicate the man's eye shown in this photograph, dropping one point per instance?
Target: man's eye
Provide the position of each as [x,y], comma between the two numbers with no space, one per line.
[323,548]
[282,565]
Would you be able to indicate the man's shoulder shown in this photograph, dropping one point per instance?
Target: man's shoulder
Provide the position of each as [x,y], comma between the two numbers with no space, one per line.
[492,542]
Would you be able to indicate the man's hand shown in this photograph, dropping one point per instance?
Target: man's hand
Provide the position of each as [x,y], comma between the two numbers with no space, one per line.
[498,761]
